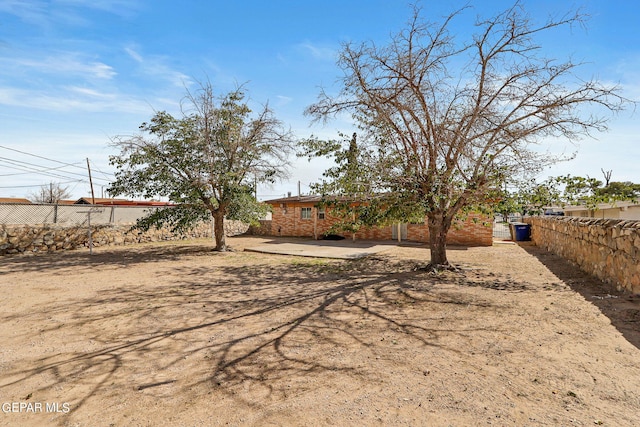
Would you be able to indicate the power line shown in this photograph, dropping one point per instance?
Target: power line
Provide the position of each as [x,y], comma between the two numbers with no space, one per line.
[16,165]
[14,162]
[30,172]
[38,185]
[29,168]
[41,157]
[25,166]
[103,173]
[32,168]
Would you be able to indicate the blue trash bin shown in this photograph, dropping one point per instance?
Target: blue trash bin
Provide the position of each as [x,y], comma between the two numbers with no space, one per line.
[521,231]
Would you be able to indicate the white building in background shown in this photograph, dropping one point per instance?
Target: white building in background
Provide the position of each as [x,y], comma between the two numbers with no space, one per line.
[618,210]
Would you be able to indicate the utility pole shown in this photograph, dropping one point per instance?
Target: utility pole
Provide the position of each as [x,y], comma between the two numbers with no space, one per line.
[93,197]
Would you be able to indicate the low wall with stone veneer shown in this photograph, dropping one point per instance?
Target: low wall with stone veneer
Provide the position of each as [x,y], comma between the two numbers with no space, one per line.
[49,238]
[262,229]
[607,248]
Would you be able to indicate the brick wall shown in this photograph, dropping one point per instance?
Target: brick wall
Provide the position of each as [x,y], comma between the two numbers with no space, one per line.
[474,230]
[607,248]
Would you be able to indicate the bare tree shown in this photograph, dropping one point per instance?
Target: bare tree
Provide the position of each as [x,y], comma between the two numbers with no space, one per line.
[52,192]
[449,119]
[607,176]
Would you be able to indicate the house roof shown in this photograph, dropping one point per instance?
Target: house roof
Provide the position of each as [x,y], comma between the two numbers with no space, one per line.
[99,201]
[311,198]
[113,202]
[295,199]
[602,206]
[14,200]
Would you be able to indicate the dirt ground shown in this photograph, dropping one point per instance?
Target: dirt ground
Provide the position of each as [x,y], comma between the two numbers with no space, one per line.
[175,334]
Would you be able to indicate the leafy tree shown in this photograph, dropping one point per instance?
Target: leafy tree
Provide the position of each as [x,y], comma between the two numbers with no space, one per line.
[580,191]
[590,192]
[532,197]
[616,190]
[205,161]
[529,197]
[351,186]
[443,119]
[52,192]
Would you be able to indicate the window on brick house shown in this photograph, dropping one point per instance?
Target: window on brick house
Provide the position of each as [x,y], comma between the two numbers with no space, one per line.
[305,213]
[320,213]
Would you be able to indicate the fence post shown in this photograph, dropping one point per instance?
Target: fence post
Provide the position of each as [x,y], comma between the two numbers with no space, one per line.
[113,215]
[55,213]
[89,212]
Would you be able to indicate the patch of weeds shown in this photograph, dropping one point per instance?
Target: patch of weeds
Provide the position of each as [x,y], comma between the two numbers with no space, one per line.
[309,262]
[321,265]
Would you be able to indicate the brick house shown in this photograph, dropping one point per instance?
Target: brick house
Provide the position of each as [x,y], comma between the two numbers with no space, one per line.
[300,216]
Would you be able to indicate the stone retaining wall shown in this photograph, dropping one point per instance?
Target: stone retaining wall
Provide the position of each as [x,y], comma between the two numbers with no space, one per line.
[49,238]
[607,248]
[264,229]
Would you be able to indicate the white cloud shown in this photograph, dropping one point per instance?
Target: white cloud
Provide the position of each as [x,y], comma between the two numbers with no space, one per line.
[176,78]
[83,91]
[64,64]
[283,100]
[67,13]
[124,8]
[101,70]
[319,52]
[156,66]
[133,54]
[72,99]
[34,12]
[43,14]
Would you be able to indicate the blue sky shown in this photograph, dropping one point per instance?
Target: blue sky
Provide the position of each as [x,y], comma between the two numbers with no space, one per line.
[75,73]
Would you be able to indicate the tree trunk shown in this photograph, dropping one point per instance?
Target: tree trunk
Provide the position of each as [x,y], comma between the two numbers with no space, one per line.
[438,228]
[218,230]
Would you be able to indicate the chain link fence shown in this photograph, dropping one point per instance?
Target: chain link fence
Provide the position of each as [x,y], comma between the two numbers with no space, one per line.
[26,213]
[501,229]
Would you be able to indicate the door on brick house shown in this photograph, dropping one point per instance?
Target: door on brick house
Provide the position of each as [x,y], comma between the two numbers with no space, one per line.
[403,231]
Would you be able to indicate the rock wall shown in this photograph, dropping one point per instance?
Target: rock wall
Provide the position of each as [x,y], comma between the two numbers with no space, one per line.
[607,248]
[264,229]
[49,238]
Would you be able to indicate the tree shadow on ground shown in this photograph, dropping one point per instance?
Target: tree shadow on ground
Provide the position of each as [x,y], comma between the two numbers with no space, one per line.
[112,257]
[254,325]
[622,308]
